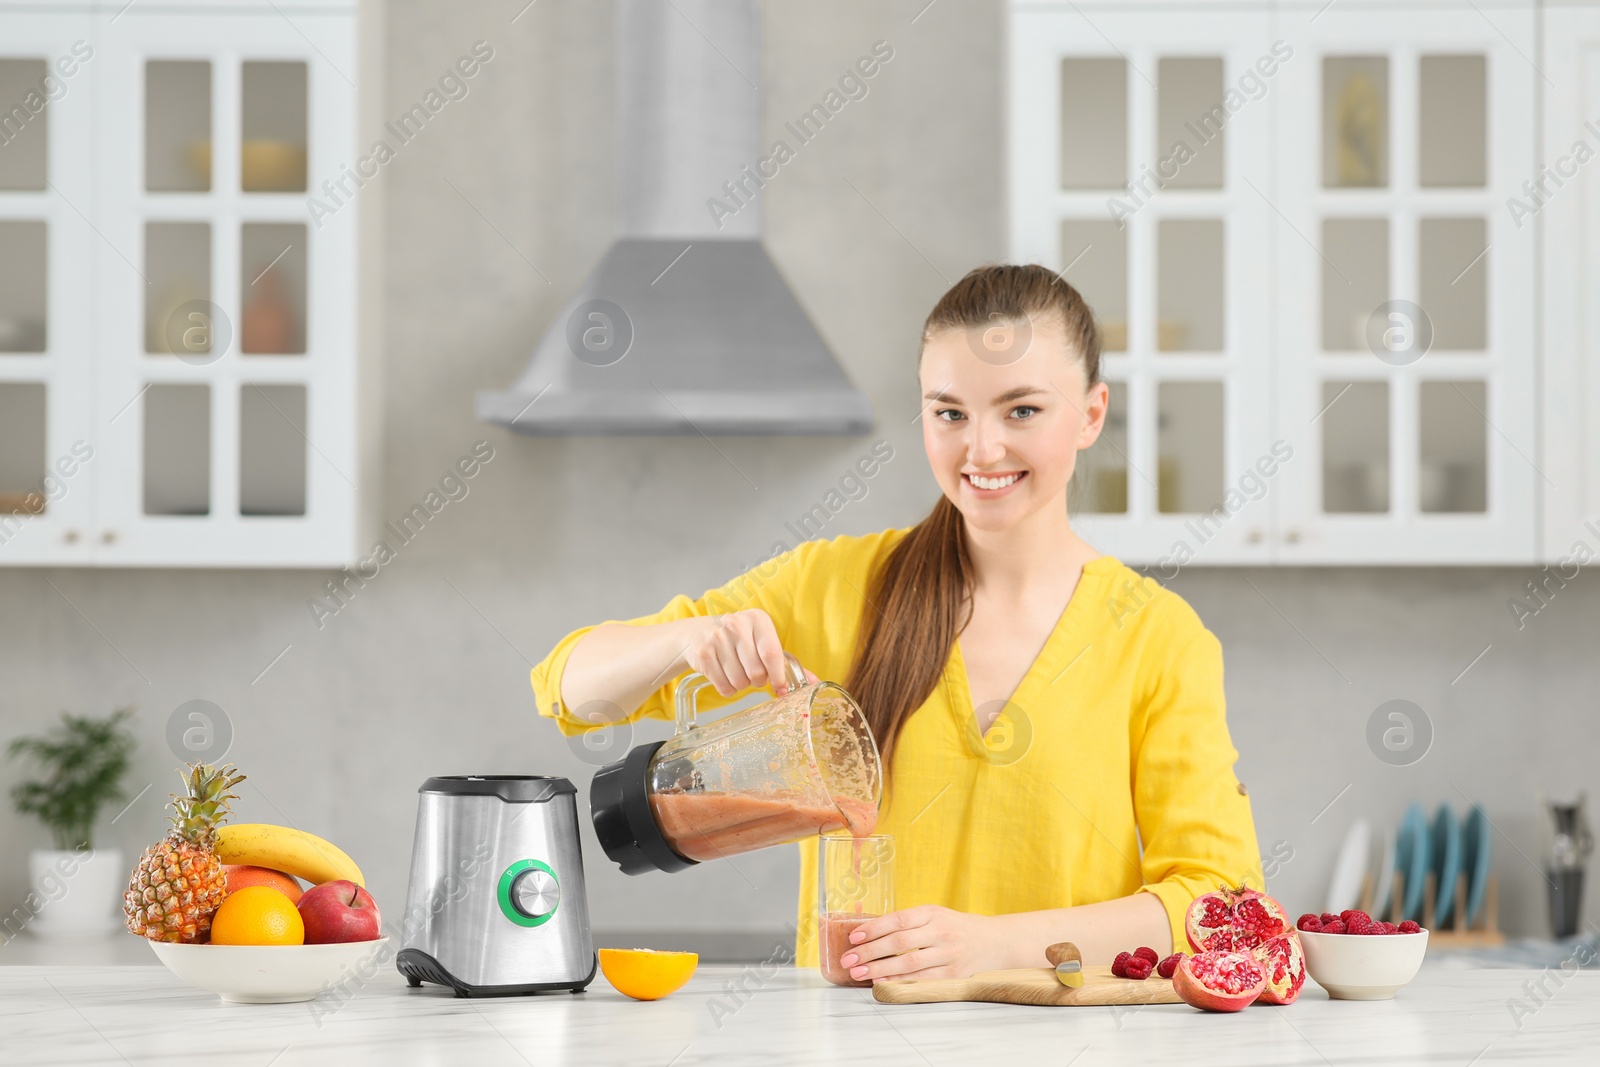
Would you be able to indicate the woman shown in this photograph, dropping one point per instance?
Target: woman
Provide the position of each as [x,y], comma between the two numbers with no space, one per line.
[1109,802]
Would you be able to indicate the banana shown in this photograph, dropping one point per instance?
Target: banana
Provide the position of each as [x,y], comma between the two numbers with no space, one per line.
[283,848]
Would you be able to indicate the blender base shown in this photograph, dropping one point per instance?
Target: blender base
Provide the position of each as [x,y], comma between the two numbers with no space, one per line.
[419,967]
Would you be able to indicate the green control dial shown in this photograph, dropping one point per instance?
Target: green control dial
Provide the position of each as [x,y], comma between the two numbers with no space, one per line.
[529,893]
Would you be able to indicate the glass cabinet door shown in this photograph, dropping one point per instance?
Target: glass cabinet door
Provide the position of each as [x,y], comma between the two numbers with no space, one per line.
[1408,386]
[1140,167]
[48,448]
[229,333]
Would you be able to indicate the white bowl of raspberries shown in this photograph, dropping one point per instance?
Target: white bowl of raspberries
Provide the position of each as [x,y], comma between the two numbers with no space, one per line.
[1356,957]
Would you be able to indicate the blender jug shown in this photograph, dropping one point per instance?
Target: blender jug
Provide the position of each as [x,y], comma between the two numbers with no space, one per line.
[798,765]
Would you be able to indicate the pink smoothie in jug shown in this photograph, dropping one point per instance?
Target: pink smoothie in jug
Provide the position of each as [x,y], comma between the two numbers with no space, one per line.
[708,826]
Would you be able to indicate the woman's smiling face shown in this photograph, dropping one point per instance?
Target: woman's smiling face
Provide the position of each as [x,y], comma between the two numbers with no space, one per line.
[1003,430]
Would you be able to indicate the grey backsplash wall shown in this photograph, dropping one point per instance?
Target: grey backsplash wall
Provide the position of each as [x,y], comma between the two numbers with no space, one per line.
[425,671]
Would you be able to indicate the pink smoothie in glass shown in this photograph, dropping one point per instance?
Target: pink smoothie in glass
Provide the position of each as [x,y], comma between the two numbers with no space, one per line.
[835,942]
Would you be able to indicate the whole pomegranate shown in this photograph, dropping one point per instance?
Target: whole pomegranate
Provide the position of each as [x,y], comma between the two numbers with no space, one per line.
[1241,919]
[1219,980]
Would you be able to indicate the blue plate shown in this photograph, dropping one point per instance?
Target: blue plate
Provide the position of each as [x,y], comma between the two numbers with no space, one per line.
[1446,862]
[1475,860]
[1411,857]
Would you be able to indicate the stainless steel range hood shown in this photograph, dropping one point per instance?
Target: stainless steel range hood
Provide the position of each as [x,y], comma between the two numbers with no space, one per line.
[686,326]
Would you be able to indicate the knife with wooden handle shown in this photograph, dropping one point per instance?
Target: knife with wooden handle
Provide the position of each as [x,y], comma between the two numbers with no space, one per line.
[1068,963]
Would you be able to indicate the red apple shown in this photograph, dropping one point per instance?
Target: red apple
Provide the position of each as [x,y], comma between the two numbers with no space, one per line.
[335,912]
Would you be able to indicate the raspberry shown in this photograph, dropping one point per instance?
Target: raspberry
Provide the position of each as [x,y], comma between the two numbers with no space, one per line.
[1335,927]
[1139,969]
[1169,966]
[1390,928]
[1369,929]
[1409,927]
[1145,952]
[1352,913]
[1119,966]
[1308,922]
[1328,917]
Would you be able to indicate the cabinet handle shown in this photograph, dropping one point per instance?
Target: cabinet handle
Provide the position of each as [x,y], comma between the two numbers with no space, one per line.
[109,537]
[1292,536]
[1256,536]
[70,537]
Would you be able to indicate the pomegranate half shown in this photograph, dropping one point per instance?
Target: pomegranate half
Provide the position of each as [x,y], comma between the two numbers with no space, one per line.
[1219,980]
[1240,918]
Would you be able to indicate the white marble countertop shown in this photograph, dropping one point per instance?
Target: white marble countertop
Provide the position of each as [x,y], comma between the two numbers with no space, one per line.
[1451,1014]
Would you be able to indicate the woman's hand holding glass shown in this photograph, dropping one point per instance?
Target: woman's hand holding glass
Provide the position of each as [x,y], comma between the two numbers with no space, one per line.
[927,941]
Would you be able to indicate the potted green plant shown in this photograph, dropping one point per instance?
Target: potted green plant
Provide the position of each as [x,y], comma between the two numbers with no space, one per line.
[80,766]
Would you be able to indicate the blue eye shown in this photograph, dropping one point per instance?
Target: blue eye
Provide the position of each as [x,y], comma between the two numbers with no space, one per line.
[1031,411]
[948,414]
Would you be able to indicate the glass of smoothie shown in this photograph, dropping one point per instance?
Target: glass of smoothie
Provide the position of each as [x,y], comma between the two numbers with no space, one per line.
[855,882]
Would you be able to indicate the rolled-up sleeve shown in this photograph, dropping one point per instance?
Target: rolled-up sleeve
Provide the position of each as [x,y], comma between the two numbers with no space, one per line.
[1194,816]
[769,586]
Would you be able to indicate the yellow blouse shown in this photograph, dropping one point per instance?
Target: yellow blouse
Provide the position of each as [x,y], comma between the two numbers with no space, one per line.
[1110,771]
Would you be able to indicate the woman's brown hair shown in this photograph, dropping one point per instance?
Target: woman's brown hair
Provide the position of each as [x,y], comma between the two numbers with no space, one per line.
[921,597]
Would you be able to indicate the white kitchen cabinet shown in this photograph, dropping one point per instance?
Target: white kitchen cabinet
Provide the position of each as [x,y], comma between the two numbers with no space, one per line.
[1423,124]
[209,341]
[1565,201]
[46,245]
[1369,154]
[1104,102]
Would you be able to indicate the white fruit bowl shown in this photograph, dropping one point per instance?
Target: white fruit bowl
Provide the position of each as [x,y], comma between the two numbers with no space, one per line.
[273,974]
[1363,967]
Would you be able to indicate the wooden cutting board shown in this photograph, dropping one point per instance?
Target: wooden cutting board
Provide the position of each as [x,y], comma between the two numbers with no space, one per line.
[1030,985]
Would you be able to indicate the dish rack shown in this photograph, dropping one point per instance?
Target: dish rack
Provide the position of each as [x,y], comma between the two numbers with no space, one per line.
[1484,933]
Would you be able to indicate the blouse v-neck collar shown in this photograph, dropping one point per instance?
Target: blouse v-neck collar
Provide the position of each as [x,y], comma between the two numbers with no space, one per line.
[1060,650]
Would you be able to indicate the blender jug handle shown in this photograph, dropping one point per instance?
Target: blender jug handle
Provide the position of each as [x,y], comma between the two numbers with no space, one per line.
[689,688]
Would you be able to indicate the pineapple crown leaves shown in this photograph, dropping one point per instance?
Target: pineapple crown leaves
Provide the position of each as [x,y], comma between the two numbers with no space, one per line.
[204,805]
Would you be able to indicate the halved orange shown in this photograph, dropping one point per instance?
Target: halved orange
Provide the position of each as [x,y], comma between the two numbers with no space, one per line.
[644,973]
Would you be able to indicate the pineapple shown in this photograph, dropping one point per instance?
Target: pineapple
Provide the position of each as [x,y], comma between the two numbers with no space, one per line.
[179,881]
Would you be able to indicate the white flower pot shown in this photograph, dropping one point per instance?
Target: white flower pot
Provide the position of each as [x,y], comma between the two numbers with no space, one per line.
[75,894]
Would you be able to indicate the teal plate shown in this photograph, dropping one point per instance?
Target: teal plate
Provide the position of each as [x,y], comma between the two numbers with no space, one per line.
[1447,862]
[1475,846]
[1411,857]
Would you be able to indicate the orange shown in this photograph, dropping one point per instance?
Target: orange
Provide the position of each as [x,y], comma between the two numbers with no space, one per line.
[241,875]
[257,915]
[645,974]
